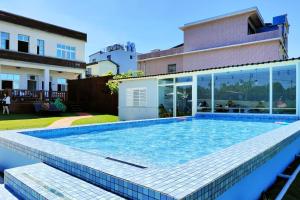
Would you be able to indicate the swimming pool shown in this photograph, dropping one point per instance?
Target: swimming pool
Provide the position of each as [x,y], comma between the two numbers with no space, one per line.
[225,171]
[167,144]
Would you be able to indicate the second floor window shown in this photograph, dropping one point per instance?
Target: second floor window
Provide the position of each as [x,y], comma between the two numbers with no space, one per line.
[66,52]
[4,40]
[40,48]
[172,68]
[23,43]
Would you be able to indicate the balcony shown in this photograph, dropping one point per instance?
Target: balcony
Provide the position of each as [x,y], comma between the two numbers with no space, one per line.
[264,36]
[23,96]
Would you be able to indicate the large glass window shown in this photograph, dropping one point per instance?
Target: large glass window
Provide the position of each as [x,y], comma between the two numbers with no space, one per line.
[184,79]
[204,93]
[4,40]
[242,92]
[284,90]
[166,94]
[166,81]
[66,52]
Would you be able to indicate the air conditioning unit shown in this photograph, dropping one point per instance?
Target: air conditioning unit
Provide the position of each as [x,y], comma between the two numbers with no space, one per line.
[155,50]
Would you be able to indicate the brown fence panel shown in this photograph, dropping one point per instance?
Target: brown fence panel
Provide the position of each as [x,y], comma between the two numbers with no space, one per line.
[92,95]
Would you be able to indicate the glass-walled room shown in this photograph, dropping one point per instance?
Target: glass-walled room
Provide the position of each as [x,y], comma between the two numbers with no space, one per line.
[263,90]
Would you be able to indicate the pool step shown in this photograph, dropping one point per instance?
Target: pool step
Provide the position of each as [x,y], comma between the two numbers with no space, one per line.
[40,181]
[5,194]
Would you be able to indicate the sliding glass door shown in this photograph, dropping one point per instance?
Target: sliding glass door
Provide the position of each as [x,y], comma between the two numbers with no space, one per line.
[184,100]
[175,96]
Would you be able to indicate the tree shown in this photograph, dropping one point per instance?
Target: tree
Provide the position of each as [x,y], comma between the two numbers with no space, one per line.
[114,83]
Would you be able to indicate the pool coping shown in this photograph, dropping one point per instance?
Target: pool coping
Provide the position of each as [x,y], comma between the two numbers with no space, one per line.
[219,170]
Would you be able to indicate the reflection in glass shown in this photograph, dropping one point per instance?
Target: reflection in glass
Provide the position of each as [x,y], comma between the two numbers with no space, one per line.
[204,93]
[242,92]
[166,101]
[284,90]
[184,100]
[184,79]
[166,81]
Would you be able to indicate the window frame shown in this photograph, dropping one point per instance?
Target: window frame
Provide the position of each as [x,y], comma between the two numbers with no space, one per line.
[7,45]
[170,66]
[38,47]
[66,52]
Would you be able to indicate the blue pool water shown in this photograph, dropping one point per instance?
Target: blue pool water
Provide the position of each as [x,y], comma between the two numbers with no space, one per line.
[168,144]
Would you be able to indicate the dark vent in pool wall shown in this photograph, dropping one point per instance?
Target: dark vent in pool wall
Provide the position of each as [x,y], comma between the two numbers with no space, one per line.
[127,163]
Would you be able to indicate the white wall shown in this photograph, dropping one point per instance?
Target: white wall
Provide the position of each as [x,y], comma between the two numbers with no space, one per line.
[133,113]
[121,57]
[102,68]
[51,40]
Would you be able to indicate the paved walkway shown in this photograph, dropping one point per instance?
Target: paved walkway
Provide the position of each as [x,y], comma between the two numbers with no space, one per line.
[67,121]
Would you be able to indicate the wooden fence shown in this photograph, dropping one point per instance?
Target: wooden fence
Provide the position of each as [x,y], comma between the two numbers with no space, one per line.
[92,95]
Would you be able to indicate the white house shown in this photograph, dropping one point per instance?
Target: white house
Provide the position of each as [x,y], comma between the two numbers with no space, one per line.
[124,56]
[35,55]
[103,67]
[259,88]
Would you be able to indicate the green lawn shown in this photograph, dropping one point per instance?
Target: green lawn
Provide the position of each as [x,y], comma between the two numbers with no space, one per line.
[23,121]
[97,118]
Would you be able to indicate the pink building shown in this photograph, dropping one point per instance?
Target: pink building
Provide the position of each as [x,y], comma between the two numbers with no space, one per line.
[231,39]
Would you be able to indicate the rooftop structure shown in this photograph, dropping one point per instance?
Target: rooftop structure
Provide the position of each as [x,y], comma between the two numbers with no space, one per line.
[235,38]
[123,55]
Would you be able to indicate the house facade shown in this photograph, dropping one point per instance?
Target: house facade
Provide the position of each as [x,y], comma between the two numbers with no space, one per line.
[102,68]
[124,56]
[271,88]
[37,56]
[232,39]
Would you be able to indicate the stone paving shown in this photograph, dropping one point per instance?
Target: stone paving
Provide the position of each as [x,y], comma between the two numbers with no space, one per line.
[67,121]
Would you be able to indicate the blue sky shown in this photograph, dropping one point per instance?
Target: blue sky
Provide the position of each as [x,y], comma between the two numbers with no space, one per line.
[150,24]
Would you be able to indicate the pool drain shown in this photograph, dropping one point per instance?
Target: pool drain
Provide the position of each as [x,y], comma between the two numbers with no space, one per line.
[127,163]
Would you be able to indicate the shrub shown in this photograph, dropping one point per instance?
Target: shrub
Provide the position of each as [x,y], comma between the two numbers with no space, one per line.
[60,105]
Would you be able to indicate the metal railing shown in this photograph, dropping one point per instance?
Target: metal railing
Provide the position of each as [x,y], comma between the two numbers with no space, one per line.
[20,95]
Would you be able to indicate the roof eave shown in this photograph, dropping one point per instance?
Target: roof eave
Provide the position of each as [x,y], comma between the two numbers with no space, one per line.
[240,12]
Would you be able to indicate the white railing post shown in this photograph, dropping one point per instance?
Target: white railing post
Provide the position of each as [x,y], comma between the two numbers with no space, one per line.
[194,95]
[297,88]
[271,90]
[212,93]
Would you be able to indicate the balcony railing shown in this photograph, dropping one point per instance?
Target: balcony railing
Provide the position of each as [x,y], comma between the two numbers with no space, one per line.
[20,95]
[167,52]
